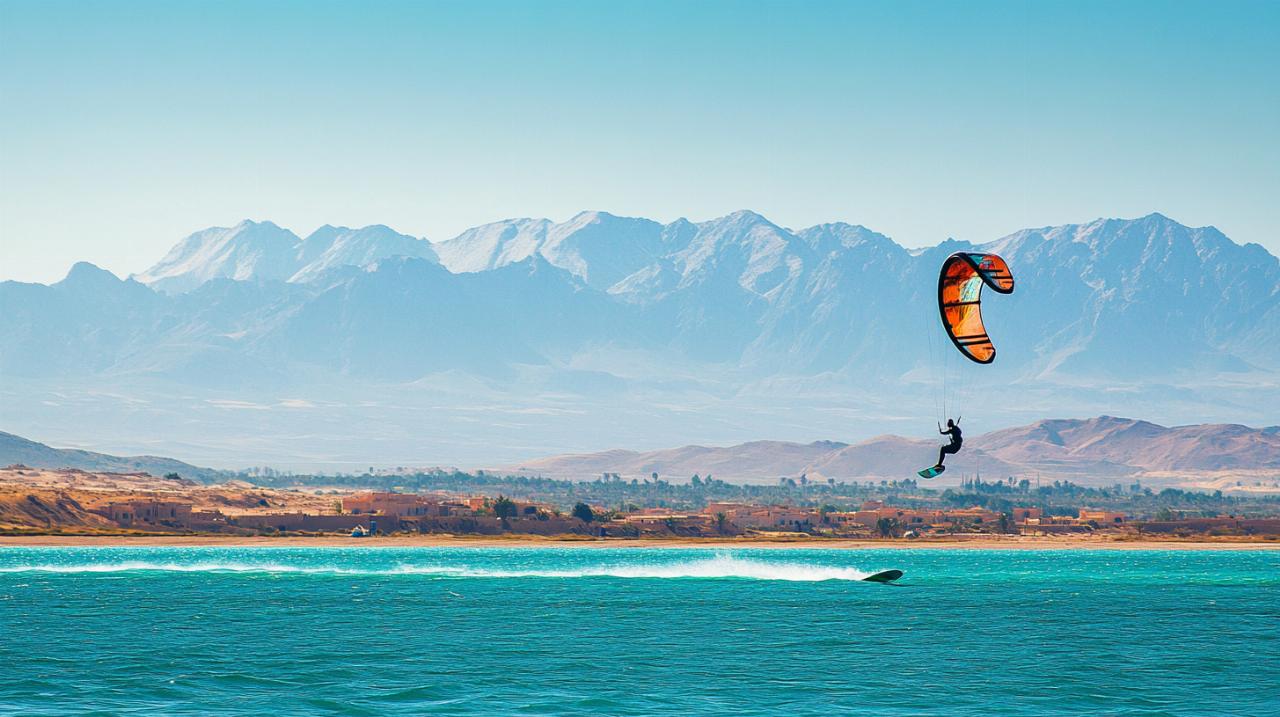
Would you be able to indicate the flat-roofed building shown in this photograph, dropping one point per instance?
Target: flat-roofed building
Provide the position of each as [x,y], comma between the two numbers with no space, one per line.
[776,517]
[153,512]
[667,518]
[727,508]
[390,504]
[1027,515]
[974,515]
[1101,517]
[874,511]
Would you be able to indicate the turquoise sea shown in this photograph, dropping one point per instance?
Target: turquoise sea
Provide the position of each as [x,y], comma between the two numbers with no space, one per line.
[632,631]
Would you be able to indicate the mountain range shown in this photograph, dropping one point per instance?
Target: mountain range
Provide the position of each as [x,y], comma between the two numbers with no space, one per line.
[262,250]
[16,450]
[527,336]
[1096,451]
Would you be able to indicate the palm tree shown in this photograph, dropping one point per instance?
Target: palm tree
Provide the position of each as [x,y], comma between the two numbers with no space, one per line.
[887,527]
[504,507]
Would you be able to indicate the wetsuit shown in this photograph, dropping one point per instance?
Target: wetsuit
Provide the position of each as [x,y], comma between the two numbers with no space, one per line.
[957,440]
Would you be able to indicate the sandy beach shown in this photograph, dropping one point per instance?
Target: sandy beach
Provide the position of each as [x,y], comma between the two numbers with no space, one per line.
[525,541]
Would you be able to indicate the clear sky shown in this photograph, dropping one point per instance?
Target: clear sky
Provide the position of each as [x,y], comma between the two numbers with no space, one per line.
[125,126]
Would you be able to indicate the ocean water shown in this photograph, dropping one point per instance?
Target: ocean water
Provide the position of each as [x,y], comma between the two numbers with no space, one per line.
[631,631]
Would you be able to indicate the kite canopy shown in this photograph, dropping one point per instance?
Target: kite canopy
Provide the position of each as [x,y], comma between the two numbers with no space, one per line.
[960,300]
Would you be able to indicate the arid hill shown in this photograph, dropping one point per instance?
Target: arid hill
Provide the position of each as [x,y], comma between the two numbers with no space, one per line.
[1141,444]
[46,510]
[1094,451]
[19,450]
[40,499]
[762,459]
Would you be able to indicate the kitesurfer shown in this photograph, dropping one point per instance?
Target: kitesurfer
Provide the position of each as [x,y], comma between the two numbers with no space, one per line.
[957,440]
[960,284]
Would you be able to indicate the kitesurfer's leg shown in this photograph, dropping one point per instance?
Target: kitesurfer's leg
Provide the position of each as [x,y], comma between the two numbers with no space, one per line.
[943,451]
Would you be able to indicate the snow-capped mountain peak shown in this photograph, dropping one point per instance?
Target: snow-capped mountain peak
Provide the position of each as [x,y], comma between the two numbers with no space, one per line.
[329,247]
[247,250]
[265,251]
[1110,296]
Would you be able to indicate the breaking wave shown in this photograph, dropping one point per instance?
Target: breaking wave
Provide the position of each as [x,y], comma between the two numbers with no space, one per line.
[719,567]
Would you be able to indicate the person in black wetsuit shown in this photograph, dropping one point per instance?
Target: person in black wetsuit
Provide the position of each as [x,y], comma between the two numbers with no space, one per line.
[957,440]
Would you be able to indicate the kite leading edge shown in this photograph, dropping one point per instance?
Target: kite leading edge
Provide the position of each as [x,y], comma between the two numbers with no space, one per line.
[960,300]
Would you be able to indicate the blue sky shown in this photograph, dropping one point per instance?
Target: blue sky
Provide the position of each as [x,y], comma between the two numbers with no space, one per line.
[125,126]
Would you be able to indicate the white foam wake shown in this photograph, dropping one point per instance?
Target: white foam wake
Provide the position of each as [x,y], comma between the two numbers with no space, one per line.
[130,566]
[721,567]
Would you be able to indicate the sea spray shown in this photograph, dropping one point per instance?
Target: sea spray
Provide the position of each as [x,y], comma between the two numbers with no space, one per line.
[721,566]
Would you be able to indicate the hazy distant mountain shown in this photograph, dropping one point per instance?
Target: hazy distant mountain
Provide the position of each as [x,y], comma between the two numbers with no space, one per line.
[1117,297]
[404,318]
[754,461]
[882,457]
[1093,451]
[1142,299]
[1211,447]
[249,250]
[264,251]
[603,329]
[81,325]
[18,450]
[331,247]
[597,247]
[1130,297]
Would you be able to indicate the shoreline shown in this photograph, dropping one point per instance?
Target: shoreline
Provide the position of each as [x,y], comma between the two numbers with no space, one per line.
[525,541]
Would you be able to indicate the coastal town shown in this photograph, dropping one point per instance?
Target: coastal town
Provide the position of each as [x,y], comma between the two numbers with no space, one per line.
[383,513]
[69,501]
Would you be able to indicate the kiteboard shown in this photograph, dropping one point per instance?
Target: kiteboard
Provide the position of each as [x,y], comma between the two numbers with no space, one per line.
[931,471]
[884,576]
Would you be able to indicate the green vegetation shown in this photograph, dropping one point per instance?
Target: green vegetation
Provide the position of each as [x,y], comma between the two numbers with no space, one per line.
[583,512]
[504,507]
[614,493]
[1066,498]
